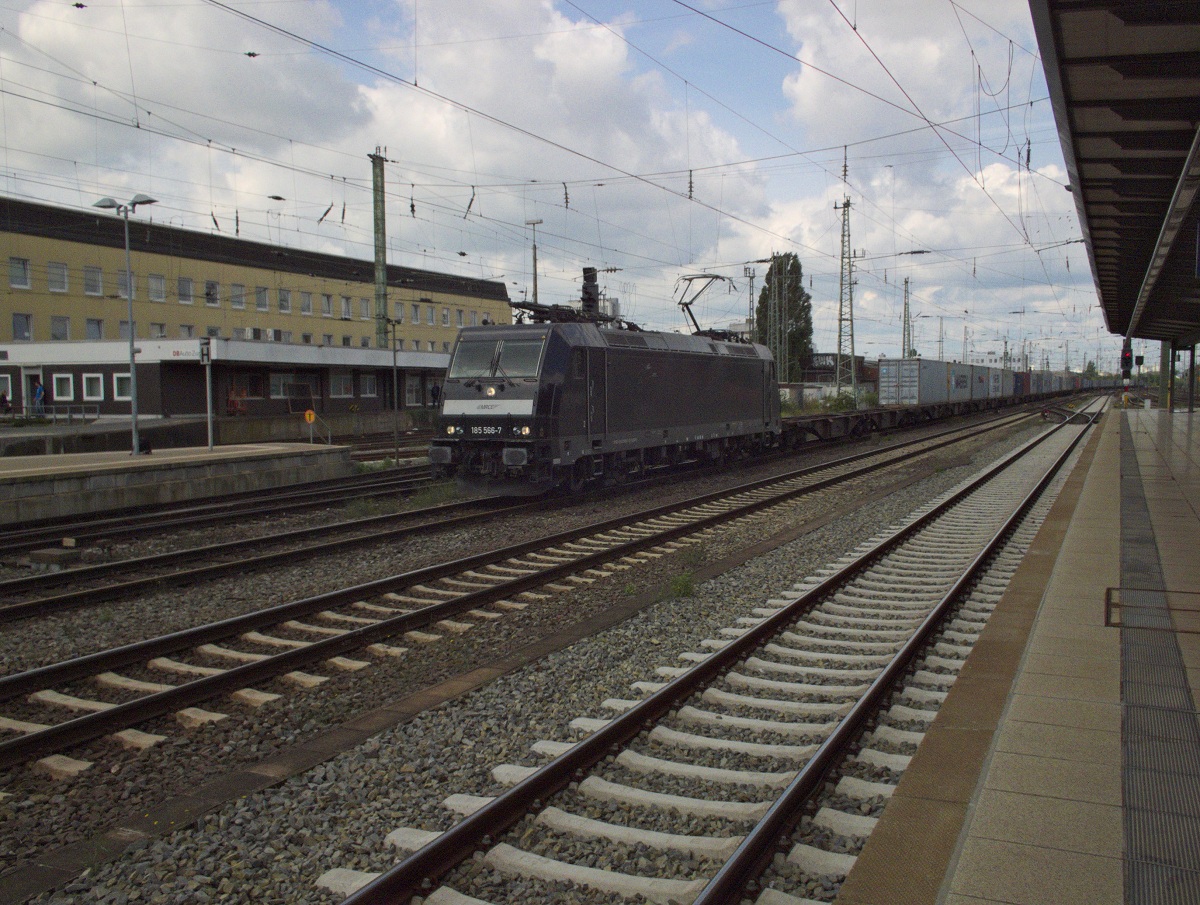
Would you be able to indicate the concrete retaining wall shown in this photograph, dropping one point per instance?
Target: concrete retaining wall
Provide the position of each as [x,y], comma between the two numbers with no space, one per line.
[92,483]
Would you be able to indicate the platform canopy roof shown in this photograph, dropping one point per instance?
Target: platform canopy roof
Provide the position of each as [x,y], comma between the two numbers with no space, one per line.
[1124,79]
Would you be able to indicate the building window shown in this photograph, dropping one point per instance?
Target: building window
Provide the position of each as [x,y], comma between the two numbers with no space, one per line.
[156,287]
[345,340]
[187,331]
[121,387]
[306,338]
[341,385]
[212,332]
[93,387]
[412,390]
[459,317]
[399,312]
[347,307]
[474,318]
[95,328]
[326,305]
[366,385]
[327,339]
[445,317]
[429,315]
[64,388]
[365,342]
[56,275]
[22,327]
[18,273]
[306,303]
[158,331]
[260,299]
[93,281]
[285,336]
[60,328]
[248,386]
[183,286]
[239,332]
[123,280]
[212,293]
[416,313]
[432,346]
[237,295]
[445,347]
[285,301]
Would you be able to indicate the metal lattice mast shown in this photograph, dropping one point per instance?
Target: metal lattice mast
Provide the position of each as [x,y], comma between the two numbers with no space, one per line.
[906,329]
[847,373]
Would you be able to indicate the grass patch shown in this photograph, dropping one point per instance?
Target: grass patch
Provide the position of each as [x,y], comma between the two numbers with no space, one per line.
[683,585]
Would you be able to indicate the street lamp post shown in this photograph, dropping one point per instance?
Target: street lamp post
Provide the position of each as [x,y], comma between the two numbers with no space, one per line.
[124,210]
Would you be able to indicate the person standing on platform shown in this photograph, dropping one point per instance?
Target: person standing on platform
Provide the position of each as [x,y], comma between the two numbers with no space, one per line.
[39,399]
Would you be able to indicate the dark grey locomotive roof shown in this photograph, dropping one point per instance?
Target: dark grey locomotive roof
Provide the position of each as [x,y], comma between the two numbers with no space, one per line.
[584,334]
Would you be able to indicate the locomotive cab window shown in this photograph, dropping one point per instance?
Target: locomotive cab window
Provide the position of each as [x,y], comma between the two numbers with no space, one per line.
[509,358]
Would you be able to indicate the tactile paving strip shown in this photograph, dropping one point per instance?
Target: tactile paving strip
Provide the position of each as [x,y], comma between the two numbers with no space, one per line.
[1160,728]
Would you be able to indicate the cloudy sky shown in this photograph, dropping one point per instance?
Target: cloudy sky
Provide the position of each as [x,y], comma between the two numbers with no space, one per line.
[652,139]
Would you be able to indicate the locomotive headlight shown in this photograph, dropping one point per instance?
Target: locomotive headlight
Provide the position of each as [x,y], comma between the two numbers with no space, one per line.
[450,429]
[521,431]
[491,391]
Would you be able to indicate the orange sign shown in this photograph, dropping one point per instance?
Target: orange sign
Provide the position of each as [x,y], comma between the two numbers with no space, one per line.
[310,416]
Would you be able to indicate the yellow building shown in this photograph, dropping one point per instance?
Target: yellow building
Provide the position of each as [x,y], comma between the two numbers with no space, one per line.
[66,289]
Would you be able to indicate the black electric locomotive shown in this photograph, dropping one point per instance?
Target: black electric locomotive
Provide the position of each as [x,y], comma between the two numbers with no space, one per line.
[575,396]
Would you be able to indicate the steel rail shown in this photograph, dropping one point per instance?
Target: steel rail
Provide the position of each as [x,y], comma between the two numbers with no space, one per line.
[416,874]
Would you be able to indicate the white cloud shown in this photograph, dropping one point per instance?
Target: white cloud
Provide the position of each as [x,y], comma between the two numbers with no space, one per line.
[564,100]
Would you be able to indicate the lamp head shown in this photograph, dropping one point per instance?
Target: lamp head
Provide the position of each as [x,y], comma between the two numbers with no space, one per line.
[107,203]
[141,199]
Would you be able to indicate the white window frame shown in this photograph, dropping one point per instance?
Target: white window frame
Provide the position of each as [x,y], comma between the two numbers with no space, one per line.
[237,296]
[185,288]
[364,308]
[98,380]
[187,331]
[158,330]
[341,385]
[117,395]
[326,304]
[213,301]
[60,396]
[122,275]
[89,273]
[306,303]
[430,315]
[20,268]
[368,386]
[57,272]
[29,320]
[347,307]
[59,318]
[261,300]
[445,317]
[156,287]
[99,322]
[284,298]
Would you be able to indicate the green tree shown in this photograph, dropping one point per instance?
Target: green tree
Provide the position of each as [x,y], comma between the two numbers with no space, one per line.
[783,288]
[1090,370]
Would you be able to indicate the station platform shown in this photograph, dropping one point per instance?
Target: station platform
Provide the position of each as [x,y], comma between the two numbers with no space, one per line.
[1064,765]
[53,486]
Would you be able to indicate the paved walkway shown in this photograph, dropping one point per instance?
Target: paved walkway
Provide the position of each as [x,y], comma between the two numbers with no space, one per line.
[1064,766]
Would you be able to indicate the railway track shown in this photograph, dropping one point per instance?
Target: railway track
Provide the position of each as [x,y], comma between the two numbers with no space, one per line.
[718,765]
[42,594]
[116,525]
[170,674]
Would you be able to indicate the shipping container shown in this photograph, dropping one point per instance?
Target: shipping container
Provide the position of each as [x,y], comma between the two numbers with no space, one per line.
[1021,383]
[1002,383]
[912,381]
[958,382]
[981,381]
